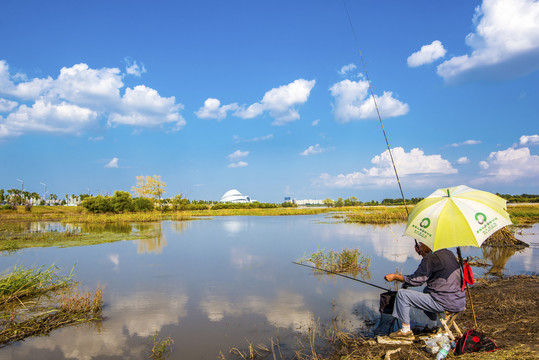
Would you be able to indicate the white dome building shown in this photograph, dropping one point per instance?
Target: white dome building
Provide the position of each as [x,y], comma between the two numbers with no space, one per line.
[234,196]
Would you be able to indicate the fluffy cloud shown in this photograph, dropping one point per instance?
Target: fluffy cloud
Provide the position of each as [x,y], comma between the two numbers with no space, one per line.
[113,164]
[280,102]
[7,105]
[43,116]
[212,109]
[24,90]
[353,102]
[467,142]
[505,42]
[143,106]
[529,140]
[427,54]
[132,68]
[238,154]
[77,99]
[238,164]
[415,167]
[311,150]
[347,68]
[510,165]
[463,160]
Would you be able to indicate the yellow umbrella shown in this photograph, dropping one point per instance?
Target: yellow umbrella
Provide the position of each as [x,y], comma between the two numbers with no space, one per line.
[457,216]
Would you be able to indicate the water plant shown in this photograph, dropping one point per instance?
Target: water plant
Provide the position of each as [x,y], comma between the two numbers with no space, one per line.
[28,282]
[162,348]
[347,260]
[36,301]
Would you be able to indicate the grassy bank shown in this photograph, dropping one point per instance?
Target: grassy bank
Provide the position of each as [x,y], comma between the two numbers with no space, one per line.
[520,214]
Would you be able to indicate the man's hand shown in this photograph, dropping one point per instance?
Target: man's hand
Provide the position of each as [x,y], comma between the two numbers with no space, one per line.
[393,277]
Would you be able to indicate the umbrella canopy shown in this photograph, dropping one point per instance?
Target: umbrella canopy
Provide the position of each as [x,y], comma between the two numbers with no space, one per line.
[457,216]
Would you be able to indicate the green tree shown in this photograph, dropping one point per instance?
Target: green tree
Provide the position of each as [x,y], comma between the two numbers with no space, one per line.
[339,203]
[328,202]
[149,186]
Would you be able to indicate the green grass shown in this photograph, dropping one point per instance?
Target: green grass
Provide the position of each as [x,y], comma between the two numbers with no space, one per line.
[24,283]
[350,261]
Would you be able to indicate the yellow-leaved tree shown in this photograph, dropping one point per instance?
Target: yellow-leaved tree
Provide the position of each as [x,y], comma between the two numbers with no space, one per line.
[149,186]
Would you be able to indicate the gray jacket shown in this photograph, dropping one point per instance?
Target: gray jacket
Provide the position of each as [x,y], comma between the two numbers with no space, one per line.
[441,271]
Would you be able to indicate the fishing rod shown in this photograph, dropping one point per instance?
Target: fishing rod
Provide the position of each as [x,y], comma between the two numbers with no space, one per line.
[377,110]
[345,276]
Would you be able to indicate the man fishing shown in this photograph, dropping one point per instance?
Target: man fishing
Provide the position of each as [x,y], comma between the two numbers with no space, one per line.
[441,271]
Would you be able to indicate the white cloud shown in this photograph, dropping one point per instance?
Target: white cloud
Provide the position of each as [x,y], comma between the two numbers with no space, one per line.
[78,98]
[82,85]
[212,109]
[415,167]
[238,154]
[312,150]
[97,138]
[238,139]
[467,142]
[238,164]
[133,68]
[463,160]
[508,166]
[353,102]
[529,140]
[143,106]
[505,42]
[43,116]
[316,122]
[7,105]
[280,102]
[113,164]
[347,68]
[427,54]
[23,90]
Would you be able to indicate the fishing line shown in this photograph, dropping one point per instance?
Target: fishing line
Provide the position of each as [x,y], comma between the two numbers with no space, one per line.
[375,104]
[346,276]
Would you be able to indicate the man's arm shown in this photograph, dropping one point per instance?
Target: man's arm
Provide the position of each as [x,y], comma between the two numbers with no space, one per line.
[393,277]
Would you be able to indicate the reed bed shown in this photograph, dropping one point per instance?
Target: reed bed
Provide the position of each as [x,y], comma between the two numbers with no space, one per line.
[75,308]
[345,261]
[36,301]
[23,283]
[524,214]
[377,215]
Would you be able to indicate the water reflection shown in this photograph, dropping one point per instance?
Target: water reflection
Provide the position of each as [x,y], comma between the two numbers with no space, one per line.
[223,280]
[498,256]
[286,310]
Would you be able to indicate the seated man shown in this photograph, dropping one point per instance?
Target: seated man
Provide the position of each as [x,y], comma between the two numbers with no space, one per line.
[441,271]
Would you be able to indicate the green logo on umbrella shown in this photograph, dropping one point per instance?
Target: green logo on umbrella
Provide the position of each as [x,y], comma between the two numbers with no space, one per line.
[425,223]
[481,218]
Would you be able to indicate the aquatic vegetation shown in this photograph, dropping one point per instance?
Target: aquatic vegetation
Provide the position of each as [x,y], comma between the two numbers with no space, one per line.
[524,214]
[377,215]
[35,301]
[162,348]
[345,261]
[23,283]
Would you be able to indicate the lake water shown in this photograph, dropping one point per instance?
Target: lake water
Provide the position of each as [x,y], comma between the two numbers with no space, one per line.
[212,284]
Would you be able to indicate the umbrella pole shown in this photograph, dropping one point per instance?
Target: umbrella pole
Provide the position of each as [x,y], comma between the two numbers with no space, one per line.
[467,290]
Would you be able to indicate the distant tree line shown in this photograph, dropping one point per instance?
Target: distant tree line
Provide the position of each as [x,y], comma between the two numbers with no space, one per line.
[353,201]
[524,198]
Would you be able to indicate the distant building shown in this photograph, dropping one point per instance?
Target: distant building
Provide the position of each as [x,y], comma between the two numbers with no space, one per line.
[309,202]
[234,196]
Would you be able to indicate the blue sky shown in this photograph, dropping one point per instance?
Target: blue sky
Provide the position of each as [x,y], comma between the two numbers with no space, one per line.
[269,97]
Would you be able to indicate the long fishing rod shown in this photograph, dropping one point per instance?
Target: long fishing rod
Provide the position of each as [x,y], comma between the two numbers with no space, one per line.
[345,276]
[375,104]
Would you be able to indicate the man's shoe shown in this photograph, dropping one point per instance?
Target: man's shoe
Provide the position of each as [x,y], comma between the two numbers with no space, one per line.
[399,335]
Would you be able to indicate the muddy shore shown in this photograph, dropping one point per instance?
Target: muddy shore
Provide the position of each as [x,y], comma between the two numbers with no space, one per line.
[506,311]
